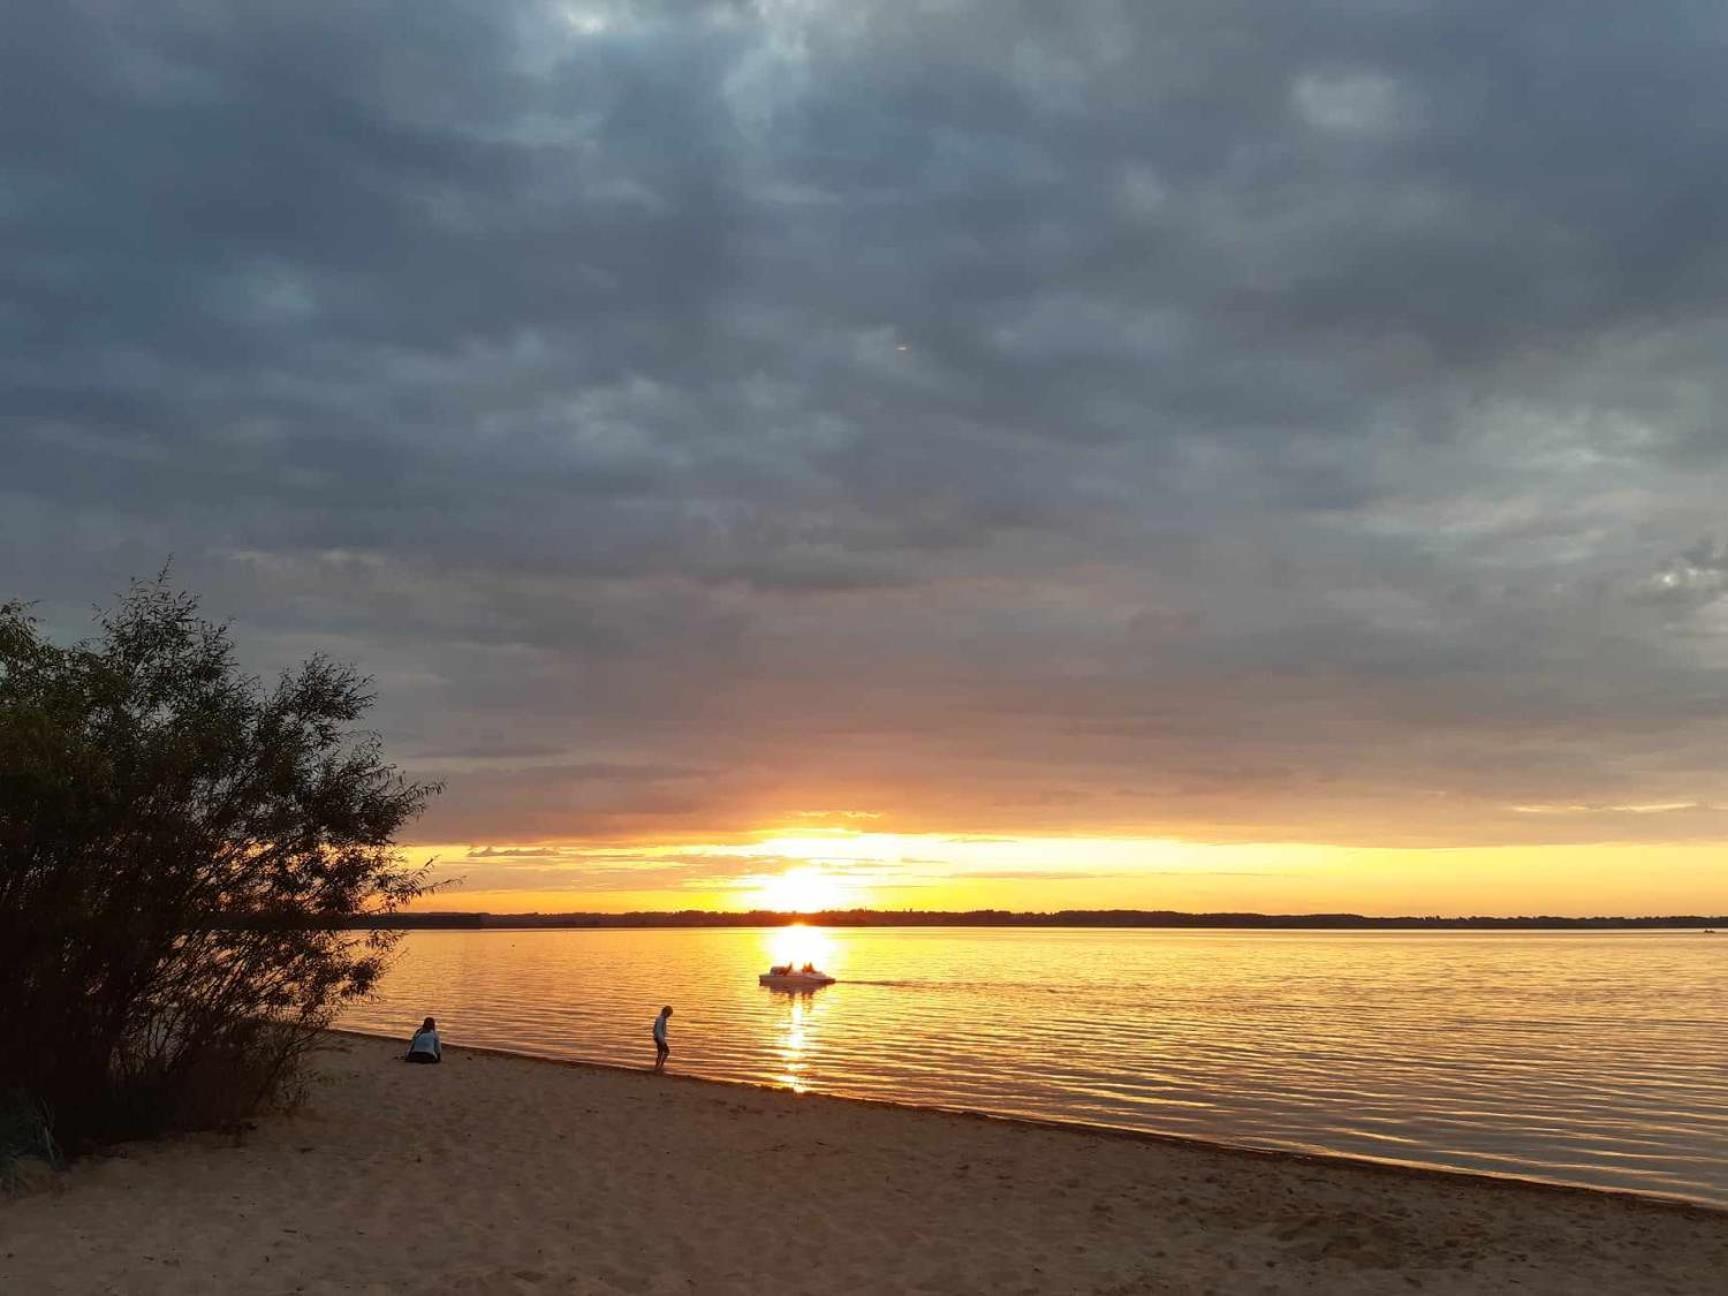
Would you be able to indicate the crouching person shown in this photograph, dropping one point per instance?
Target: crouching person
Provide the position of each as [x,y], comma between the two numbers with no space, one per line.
[424,1047]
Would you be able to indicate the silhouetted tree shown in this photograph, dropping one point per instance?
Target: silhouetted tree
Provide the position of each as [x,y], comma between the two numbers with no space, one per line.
[178,843]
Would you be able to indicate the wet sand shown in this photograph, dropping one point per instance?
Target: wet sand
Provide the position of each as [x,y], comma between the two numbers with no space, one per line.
[501,1174]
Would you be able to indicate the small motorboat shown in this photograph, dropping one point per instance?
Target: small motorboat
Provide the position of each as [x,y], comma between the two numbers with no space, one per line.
[792,978]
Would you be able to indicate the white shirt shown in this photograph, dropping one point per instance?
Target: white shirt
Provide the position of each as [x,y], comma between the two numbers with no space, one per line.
[660,1029]
[426,1041]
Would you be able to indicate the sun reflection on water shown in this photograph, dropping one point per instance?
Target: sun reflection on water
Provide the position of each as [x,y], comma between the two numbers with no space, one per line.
[798,945]
[796,1010]
[791,1040]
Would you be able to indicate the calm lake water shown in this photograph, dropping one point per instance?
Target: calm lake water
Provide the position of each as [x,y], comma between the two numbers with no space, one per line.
[1587,1058]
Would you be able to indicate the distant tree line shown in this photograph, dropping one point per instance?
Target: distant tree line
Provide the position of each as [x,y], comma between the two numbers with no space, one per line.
[1007,918]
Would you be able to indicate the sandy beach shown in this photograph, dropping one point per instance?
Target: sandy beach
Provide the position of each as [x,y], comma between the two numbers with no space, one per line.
[502,1174]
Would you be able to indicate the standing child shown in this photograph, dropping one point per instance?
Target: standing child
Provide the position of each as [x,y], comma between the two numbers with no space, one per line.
[660,1046]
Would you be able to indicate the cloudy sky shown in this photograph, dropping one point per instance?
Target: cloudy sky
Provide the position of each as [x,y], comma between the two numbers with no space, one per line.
[1152,452]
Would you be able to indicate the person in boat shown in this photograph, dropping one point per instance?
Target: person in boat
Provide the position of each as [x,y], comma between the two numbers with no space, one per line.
[661,1048]
[809,969]
[424,1047]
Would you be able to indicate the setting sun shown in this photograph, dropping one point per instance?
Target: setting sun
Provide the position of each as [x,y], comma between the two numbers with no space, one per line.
[803,890]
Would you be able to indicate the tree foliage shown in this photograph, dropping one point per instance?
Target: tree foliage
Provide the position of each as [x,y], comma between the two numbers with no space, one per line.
[179,844]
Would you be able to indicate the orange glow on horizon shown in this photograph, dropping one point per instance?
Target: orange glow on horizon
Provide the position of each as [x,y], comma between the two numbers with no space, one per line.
[804,890]
[808,871]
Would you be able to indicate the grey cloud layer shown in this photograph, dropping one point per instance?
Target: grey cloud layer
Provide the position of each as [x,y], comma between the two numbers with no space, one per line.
[1238,420]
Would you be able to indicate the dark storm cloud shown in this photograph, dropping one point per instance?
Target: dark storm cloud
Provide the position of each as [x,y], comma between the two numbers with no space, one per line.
[1254,422]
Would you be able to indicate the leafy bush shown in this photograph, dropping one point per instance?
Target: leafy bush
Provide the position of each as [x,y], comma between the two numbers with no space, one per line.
[178,845]
[25,1132]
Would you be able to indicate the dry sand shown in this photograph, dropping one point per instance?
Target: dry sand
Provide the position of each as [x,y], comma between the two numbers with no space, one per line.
[502,1174]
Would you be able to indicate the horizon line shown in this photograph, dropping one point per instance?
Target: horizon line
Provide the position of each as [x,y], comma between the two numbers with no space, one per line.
[1006,917]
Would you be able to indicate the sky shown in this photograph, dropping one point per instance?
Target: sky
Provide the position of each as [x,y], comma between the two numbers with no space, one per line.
[1153,453]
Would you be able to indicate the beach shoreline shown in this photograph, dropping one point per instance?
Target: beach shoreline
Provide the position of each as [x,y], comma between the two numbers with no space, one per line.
[503,1172]
[1481,1178]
